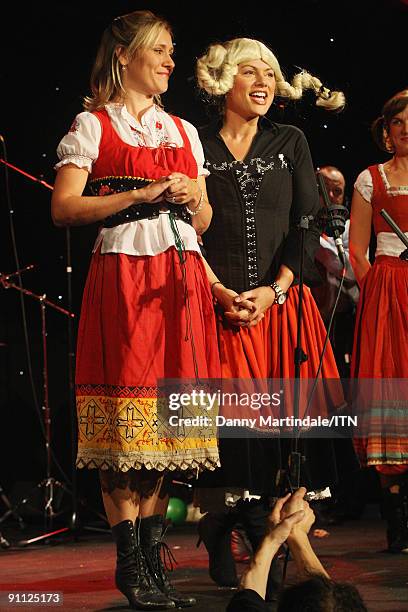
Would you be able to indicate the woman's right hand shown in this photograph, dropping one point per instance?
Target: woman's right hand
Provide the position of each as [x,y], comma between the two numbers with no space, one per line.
[70,207]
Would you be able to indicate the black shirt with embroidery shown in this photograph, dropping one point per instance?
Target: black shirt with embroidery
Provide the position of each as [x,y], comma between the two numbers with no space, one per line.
[257,204]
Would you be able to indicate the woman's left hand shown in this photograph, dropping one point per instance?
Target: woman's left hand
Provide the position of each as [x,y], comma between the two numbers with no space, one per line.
[183,191]
[262,297]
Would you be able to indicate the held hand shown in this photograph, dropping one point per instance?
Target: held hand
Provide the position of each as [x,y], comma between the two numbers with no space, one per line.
[262,297]
[240,315]
[183,190]
[155,192]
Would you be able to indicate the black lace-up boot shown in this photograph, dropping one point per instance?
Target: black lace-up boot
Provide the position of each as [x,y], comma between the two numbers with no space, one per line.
[132,576]
[151,535]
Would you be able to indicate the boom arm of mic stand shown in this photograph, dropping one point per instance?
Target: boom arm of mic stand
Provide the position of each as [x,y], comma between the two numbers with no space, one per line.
[398,231]
[30,176]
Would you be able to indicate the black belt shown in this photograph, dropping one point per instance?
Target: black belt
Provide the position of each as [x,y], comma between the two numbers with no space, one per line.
[137,212]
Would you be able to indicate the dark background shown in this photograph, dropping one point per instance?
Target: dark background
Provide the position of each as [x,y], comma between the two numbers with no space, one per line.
[48,51]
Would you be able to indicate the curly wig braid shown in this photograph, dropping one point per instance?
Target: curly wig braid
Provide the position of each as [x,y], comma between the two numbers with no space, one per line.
[217,68]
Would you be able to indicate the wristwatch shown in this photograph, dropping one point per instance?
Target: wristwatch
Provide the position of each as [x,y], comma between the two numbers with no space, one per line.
[280,295]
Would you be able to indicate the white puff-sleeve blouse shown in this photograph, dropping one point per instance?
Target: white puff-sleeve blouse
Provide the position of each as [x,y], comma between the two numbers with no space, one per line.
[80,146]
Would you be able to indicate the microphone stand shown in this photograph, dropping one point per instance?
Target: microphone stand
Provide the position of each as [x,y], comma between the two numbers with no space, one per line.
[74,521]
[10,510]
[295,457]
[336,229]
[292,473]
[49,483]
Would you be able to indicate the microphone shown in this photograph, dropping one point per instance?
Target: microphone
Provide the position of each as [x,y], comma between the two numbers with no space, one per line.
[335,217]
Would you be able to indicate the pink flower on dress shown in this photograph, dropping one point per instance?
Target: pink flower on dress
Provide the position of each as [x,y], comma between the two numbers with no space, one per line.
[74,126]
[158,125]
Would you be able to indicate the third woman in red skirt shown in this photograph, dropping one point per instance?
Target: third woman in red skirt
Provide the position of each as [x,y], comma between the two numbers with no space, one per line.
[381,337]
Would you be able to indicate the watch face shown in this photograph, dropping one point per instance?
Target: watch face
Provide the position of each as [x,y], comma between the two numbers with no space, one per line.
[281,299]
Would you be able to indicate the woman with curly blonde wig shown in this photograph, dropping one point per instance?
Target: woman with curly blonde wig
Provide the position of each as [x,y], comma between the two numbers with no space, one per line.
[261,183]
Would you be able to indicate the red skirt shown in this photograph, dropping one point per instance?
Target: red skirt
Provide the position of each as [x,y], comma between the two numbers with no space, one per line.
[143,318]
[381,352]
[250,460]
[267,350]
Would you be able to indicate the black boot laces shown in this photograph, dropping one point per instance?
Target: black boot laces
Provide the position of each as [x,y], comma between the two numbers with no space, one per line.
[164,561]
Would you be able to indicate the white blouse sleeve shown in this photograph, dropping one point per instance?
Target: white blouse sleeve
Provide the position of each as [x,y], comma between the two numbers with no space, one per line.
[81,145]
[196,147]
[364,185]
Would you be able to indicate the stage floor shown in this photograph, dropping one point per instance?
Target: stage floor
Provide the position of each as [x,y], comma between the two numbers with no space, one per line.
[83,571]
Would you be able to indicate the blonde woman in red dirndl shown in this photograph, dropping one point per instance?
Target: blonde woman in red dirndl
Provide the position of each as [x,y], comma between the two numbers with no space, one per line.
[147,311]
[381,334]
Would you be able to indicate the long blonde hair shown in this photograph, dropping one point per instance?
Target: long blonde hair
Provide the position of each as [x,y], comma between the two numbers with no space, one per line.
[217,68]
[129,32]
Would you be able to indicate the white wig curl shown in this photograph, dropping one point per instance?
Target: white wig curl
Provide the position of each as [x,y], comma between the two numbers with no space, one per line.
[217,68]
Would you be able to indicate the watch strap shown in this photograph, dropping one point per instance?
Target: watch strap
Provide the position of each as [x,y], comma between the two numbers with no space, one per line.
[278,292]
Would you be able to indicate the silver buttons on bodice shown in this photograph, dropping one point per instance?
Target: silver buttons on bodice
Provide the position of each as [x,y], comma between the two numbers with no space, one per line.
[249,177]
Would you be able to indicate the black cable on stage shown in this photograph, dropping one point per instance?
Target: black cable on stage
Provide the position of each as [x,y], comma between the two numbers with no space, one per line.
[326,341]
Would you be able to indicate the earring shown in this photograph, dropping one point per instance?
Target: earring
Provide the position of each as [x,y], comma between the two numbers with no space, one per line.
[388,144]
[389,147]
[123,67]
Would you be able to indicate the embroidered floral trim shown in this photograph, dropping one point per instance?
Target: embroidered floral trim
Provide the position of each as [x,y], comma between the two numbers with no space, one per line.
[105,190]
[116,184]
[392,191]
[250,176]
[74,126]
[82,161]
[157,133]
[195,461]
[123,427]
